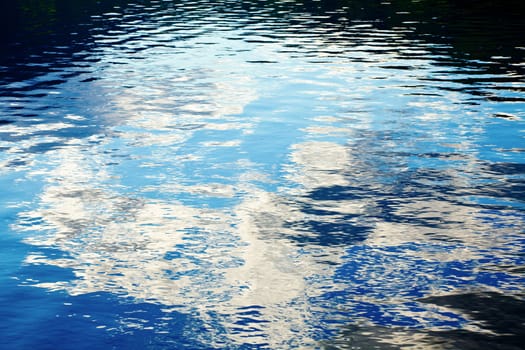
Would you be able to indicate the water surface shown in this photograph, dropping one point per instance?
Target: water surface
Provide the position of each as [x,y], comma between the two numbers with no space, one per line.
[267,174]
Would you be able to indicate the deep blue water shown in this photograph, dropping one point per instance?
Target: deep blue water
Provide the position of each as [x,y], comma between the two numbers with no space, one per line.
[262,175]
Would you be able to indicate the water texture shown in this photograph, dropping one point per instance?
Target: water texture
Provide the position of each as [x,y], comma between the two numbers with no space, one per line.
[262,175]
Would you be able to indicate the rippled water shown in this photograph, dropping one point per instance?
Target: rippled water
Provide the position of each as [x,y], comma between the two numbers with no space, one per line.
[266,174]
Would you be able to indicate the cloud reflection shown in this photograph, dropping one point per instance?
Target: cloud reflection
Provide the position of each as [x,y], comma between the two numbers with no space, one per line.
[151,245]
[167,205]
[261,262]
[169,253]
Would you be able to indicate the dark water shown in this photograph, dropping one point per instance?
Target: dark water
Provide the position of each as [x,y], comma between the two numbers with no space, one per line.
[262,174]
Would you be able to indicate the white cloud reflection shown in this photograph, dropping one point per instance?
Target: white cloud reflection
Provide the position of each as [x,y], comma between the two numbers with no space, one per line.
[218,261]
[145,243]
[169,253]
[119,204]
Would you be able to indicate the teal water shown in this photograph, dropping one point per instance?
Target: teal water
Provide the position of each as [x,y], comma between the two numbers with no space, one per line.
[266,174]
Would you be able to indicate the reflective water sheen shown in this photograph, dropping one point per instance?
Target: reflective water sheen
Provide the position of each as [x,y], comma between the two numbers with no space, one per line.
[262,174]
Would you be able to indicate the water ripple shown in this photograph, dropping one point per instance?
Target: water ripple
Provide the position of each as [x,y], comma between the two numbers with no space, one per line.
[267,174]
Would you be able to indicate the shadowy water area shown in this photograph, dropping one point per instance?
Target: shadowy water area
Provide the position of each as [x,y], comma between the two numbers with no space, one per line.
[262,174]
